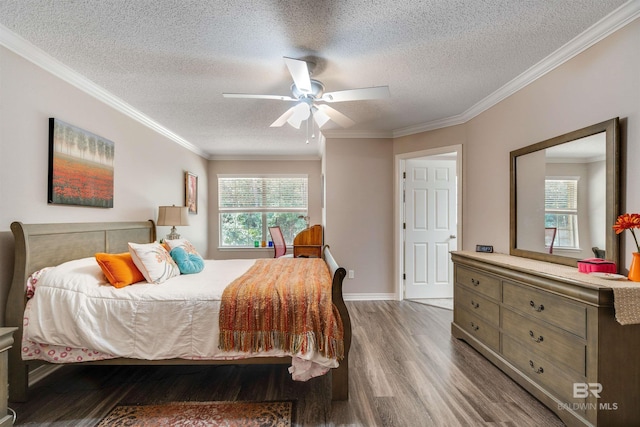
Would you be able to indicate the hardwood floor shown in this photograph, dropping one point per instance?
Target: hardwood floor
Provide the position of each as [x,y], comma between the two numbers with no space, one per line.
[406,370]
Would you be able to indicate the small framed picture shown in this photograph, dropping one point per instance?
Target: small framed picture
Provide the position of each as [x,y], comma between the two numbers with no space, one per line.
[191,192]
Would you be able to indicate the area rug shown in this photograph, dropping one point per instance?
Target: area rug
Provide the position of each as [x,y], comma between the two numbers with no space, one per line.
[249,414]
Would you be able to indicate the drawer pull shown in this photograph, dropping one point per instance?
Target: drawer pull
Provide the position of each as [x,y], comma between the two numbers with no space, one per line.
[539,370]
[475,282]
[474,326]
[533,337]
[474,304]
[538,308]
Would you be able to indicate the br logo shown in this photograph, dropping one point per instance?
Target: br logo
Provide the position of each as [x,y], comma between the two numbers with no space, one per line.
[582,390]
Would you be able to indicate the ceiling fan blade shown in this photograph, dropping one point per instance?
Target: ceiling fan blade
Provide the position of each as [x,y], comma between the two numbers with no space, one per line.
[300,73]
[283,118]
[252,96]
[336,116]
[378,92]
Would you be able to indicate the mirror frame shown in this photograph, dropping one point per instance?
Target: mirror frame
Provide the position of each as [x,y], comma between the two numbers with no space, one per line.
[613,190]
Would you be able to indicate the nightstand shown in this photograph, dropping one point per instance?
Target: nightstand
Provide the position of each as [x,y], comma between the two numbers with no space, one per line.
[6,340]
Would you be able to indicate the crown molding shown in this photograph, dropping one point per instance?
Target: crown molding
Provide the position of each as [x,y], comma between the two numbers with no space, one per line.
[433,125]
[304,157]
[347,133]
[263,158]
[31,53]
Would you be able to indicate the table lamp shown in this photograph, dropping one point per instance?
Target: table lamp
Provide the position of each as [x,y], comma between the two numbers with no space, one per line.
[173,215]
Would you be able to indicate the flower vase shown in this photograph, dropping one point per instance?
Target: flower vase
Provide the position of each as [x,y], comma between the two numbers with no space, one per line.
[634,268]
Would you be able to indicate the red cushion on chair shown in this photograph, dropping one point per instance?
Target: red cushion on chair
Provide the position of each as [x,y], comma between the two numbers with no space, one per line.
[279,245]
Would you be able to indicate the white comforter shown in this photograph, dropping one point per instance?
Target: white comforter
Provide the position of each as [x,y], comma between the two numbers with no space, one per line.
[74,309]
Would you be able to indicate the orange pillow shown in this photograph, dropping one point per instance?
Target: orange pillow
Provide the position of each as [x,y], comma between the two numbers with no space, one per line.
[119,269]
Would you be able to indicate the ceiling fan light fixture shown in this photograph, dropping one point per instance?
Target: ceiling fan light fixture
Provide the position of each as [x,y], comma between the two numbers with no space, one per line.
[294,122]
[320,117]
[316,92]
[301,112]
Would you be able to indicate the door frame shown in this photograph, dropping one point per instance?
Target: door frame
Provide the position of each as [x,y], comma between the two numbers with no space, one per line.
[398,213]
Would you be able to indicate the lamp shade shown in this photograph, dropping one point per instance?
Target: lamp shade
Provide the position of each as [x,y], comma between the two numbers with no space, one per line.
[173,215]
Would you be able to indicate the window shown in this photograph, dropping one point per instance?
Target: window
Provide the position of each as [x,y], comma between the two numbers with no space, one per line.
[249,204]
[561,211]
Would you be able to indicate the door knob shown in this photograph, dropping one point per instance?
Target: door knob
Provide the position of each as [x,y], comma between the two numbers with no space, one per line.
[452,236]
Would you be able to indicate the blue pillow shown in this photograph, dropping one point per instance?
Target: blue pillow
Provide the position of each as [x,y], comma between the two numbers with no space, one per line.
[187,263]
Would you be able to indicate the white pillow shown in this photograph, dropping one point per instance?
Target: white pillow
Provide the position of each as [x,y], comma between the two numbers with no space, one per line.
[153,261]
[184,244]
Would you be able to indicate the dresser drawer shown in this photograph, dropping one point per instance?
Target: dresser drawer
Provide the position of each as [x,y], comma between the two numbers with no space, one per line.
[558,311]
[479,282]
[483,331]
[556,346]
[480,306]
[541,370]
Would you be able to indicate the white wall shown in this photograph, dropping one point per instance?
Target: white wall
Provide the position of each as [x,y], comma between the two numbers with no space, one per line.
[149,168]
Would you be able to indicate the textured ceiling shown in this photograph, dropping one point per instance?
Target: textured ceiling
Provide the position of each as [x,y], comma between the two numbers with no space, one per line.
[172,59]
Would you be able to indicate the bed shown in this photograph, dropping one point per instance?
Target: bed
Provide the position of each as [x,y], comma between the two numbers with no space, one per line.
[38,246]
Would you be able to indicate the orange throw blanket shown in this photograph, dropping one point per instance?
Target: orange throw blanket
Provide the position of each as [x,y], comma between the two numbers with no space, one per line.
[282,303]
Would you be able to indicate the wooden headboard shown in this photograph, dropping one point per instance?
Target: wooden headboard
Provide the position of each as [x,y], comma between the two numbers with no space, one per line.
[44,245]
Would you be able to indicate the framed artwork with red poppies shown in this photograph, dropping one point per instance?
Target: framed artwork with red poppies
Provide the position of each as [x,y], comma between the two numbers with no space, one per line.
[81,166]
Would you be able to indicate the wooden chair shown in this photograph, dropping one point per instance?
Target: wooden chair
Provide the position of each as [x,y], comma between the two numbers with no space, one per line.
[279,245]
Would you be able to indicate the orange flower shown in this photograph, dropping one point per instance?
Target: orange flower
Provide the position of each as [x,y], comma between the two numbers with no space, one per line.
[628,222]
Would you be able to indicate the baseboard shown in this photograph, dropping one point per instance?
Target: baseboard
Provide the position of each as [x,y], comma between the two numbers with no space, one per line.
[369,297]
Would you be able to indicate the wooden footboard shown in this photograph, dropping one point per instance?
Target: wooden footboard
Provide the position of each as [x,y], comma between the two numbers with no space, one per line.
[43,245]
[340,375]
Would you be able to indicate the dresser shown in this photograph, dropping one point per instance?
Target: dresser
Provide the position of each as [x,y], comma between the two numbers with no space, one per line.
[553,331]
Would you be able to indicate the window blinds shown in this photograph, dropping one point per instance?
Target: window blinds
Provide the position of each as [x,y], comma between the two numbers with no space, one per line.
[263,193]
[561,194]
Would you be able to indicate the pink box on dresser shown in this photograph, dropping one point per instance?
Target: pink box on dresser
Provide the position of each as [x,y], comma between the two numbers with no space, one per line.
[598,265]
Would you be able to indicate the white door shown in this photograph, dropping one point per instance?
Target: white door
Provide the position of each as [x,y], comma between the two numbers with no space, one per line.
[430,227]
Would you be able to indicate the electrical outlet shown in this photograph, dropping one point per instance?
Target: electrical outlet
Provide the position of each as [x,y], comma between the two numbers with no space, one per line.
[351,274]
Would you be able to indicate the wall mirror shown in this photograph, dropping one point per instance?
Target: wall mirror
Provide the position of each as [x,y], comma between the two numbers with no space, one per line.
[565,196]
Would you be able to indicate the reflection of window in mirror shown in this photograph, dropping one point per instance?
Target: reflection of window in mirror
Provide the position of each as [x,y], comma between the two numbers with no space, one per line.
[561,211]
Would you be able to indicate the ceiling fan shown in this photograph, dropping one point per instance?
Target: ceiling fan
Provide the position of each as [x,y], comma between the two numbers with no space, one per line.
[310,97]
